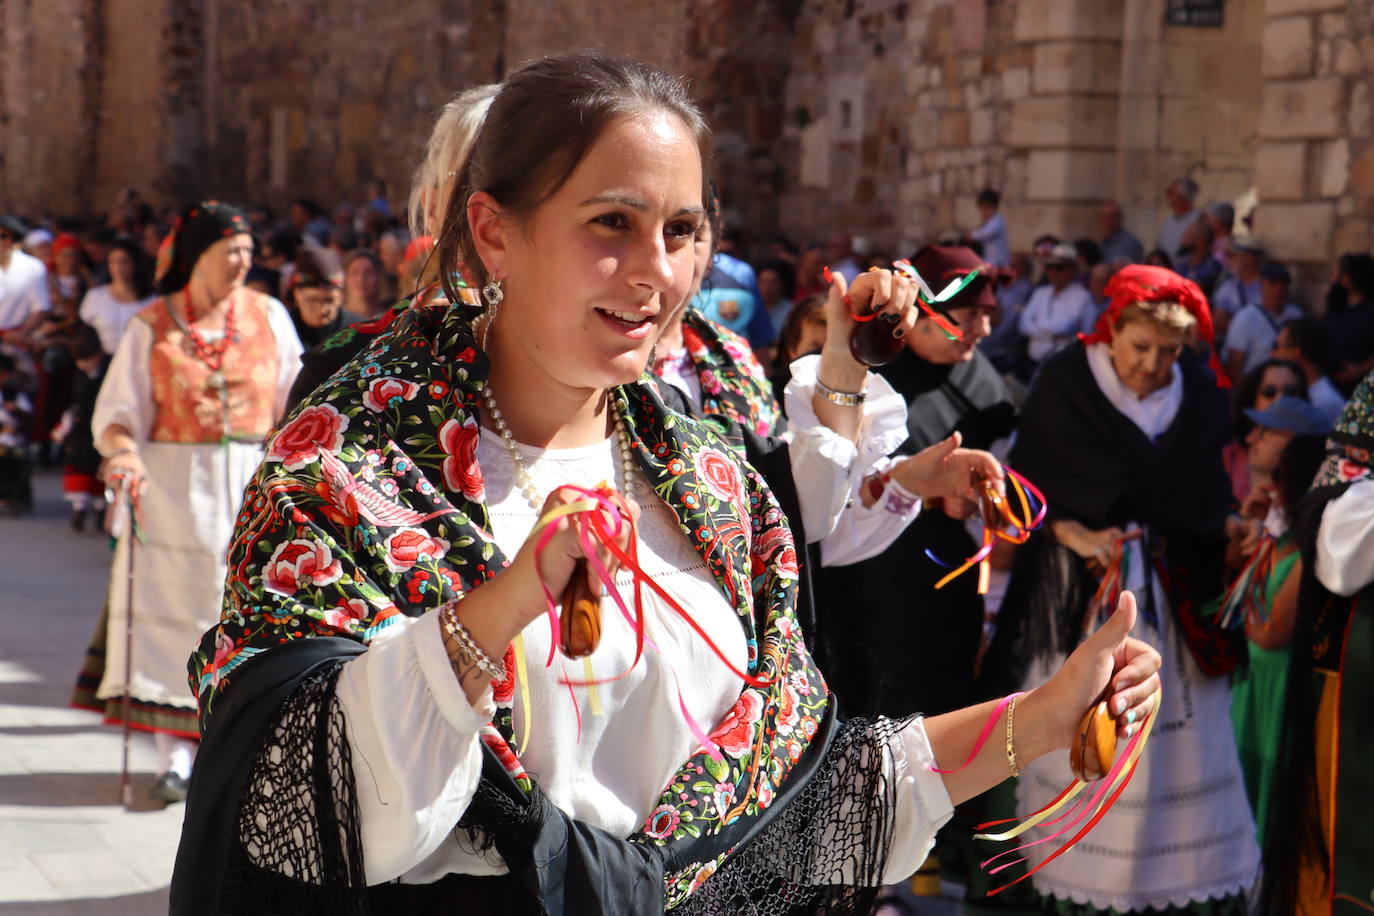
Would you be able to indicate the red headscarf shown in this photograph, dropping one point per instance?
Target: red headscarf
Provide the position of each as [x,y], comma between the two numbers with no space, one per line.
[59,245]
[1144,283]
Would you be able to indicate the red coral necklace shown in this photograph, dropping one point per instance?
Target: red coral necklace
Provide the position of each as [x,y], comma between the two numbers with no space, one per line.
[212,355]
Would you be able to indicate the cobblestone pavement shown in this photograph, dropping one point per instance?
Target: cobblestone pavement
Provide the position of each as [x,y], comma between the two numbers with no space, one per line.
[70,847]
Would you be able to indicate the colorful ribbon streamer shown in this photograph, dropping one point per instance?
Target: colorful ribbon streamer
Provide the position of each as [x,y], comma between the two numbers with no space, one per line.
[1000,521]
[931,302]
[1245,600]
[1092,807]
[1113,583]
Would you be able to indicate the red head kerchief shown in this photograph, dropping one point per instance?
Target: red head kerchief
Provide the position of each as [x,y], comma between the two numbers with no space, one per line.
[1144,283]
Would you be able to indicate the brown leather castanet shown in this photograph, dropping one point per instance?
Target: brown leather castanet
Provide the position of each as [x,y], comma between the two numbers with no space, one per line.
[1094,747]
[580,623]
[991,503]
[873,343]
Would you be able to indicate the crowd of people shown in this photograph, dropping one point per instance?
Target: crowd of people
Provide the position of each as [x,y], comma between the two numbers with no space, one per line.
[350,435]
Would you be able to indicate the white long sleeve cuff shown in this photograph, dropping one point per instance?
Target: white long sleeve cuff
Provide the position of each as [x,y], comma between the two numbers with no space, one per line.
[863,531]
[1345,540]
[825,465]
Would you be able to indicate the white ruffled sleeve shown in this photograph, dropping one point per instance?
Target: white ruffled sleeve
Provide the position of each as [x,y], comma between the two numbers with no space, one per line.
[923,804]
[1345,540]
[863,531]
[288,354]
[126,395]
[825,465]
[400,697]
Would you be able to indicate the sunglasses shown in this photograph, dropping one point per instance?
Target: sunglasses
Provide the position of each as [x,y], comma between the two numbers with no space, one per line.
[6,237]
[1273,391]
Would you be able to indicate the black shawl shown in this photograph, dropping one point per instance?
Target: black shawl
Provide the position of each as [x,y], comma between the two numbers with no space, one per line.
[1096,467]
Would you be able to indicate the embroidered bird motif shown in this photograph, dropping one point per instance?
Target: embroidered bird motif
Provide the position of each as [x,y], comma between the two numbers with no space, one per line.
[356,499]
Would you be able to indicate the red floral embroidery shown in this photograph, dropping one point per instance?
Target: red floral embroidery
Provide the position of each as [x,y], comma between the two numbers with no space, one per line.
[299,442]
[299,563]
[384,393]
[461,471]
[406,547]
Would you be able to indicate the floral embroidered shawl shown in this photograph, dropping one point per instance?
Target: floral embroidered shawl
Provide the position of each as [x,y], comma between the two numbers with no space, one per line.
[733,383]
[370,504]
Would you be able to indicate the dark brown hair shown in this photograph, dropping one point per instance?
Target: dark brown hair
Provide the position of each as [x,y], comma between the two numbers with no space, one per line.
[541,124]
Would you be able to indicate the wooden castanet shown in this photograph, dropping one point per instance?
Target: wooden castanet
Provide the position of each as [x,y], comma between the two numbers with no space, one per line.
[1094,747]
[873,343]
[580,622]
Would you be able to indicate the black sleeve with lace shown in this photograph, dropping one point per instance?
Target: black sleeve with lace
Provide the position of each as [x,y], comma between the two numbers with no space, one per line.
[297,847]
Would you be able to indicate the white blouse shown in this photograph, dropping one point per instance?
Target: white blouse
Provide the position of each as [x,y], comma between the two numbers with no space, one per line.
[1345,540]
[632,736]
[126,395]
[108,315]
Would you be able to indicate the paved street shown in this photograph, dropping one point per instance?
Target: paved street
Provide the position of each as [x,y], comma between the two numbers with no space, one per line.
[70,847]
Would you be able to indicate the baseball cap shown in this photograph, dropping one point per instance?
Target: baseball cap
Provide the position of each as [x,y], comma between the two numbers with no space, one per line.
[1294,415]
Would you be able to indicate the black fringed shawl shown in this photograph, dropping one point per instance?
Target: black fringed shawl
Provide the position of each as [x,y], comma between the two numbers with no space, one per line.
[1095,466]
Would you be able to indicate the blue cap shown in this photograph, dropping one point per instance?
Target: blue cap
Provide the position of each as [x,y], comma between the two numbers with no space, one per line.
[1294,415]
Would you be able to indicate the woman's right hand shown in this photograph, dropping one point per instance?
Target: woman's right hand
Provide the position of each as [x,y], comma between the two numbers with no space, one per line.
[1096,547]
[124,468]
[555,564]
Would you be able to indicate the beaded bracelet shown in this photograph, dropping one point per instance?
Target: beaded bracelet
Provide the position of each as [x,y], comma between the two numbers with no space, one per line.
[468,649]
[840,398]
[1011,745]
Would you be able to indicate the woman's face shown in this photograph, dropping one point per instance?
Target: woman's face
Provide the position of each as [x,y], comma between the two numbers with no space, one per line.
[121,266]
[1143,355]
[812,337]
[67,262]
[361,281]
[318,305]
[1276,382]
[770,287]
[599,267]
[223,266]
[935,346]
[152,240]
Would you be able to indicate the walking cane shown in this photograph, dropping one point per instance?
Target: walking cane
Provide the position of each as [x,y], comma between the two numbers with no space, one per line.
[123,523]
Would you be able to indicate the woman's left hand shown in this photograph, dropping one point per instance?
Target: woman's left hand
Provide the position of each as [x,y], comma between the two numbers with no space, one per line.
[946,471]
[1110,664]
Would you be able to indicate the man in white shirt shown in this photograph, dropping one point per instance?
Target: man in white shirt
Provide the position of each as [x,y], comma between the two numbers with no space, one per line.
[1244,257]
[1306,342]
[1179,195]
[1056,310]
[839,253]
[24,295]
[1255,328]
[992,233]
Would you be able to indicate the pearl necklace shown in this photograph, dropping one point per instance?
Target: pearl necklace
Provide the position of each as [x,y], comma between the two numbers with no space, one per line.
[522,474]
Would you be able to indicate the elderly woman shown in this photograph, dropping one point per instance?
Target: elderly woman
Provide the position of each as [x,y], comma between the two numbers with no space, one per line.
[389,722]
[196,384]
[1123,431]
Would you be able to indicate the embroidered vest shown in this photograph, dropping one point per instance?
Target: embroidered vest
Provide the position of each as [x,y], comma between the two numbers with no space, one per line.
[188,408]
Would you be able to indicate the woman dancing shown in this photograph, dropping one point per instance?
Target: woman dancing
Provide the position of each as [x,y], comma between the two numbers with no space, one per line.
[388,724]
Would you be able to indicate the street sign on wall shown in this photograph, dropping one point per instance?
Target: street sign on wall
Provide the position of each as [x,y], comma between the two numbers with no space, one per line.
[1204,13]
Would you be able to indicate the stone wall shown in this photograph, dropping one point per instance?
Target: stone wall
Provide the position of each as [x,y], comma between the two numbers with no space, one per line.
[878,117]
[1314,171]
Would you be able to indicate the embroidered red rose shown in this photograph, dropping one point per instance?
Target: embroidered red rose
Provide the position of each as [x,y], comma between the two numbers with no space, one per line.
[719,473]
[346,614]
[786,562]
[384,393]
[299,442]
[735,734]
[461,471]
[406,547]
[1351,470]
[297,564]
